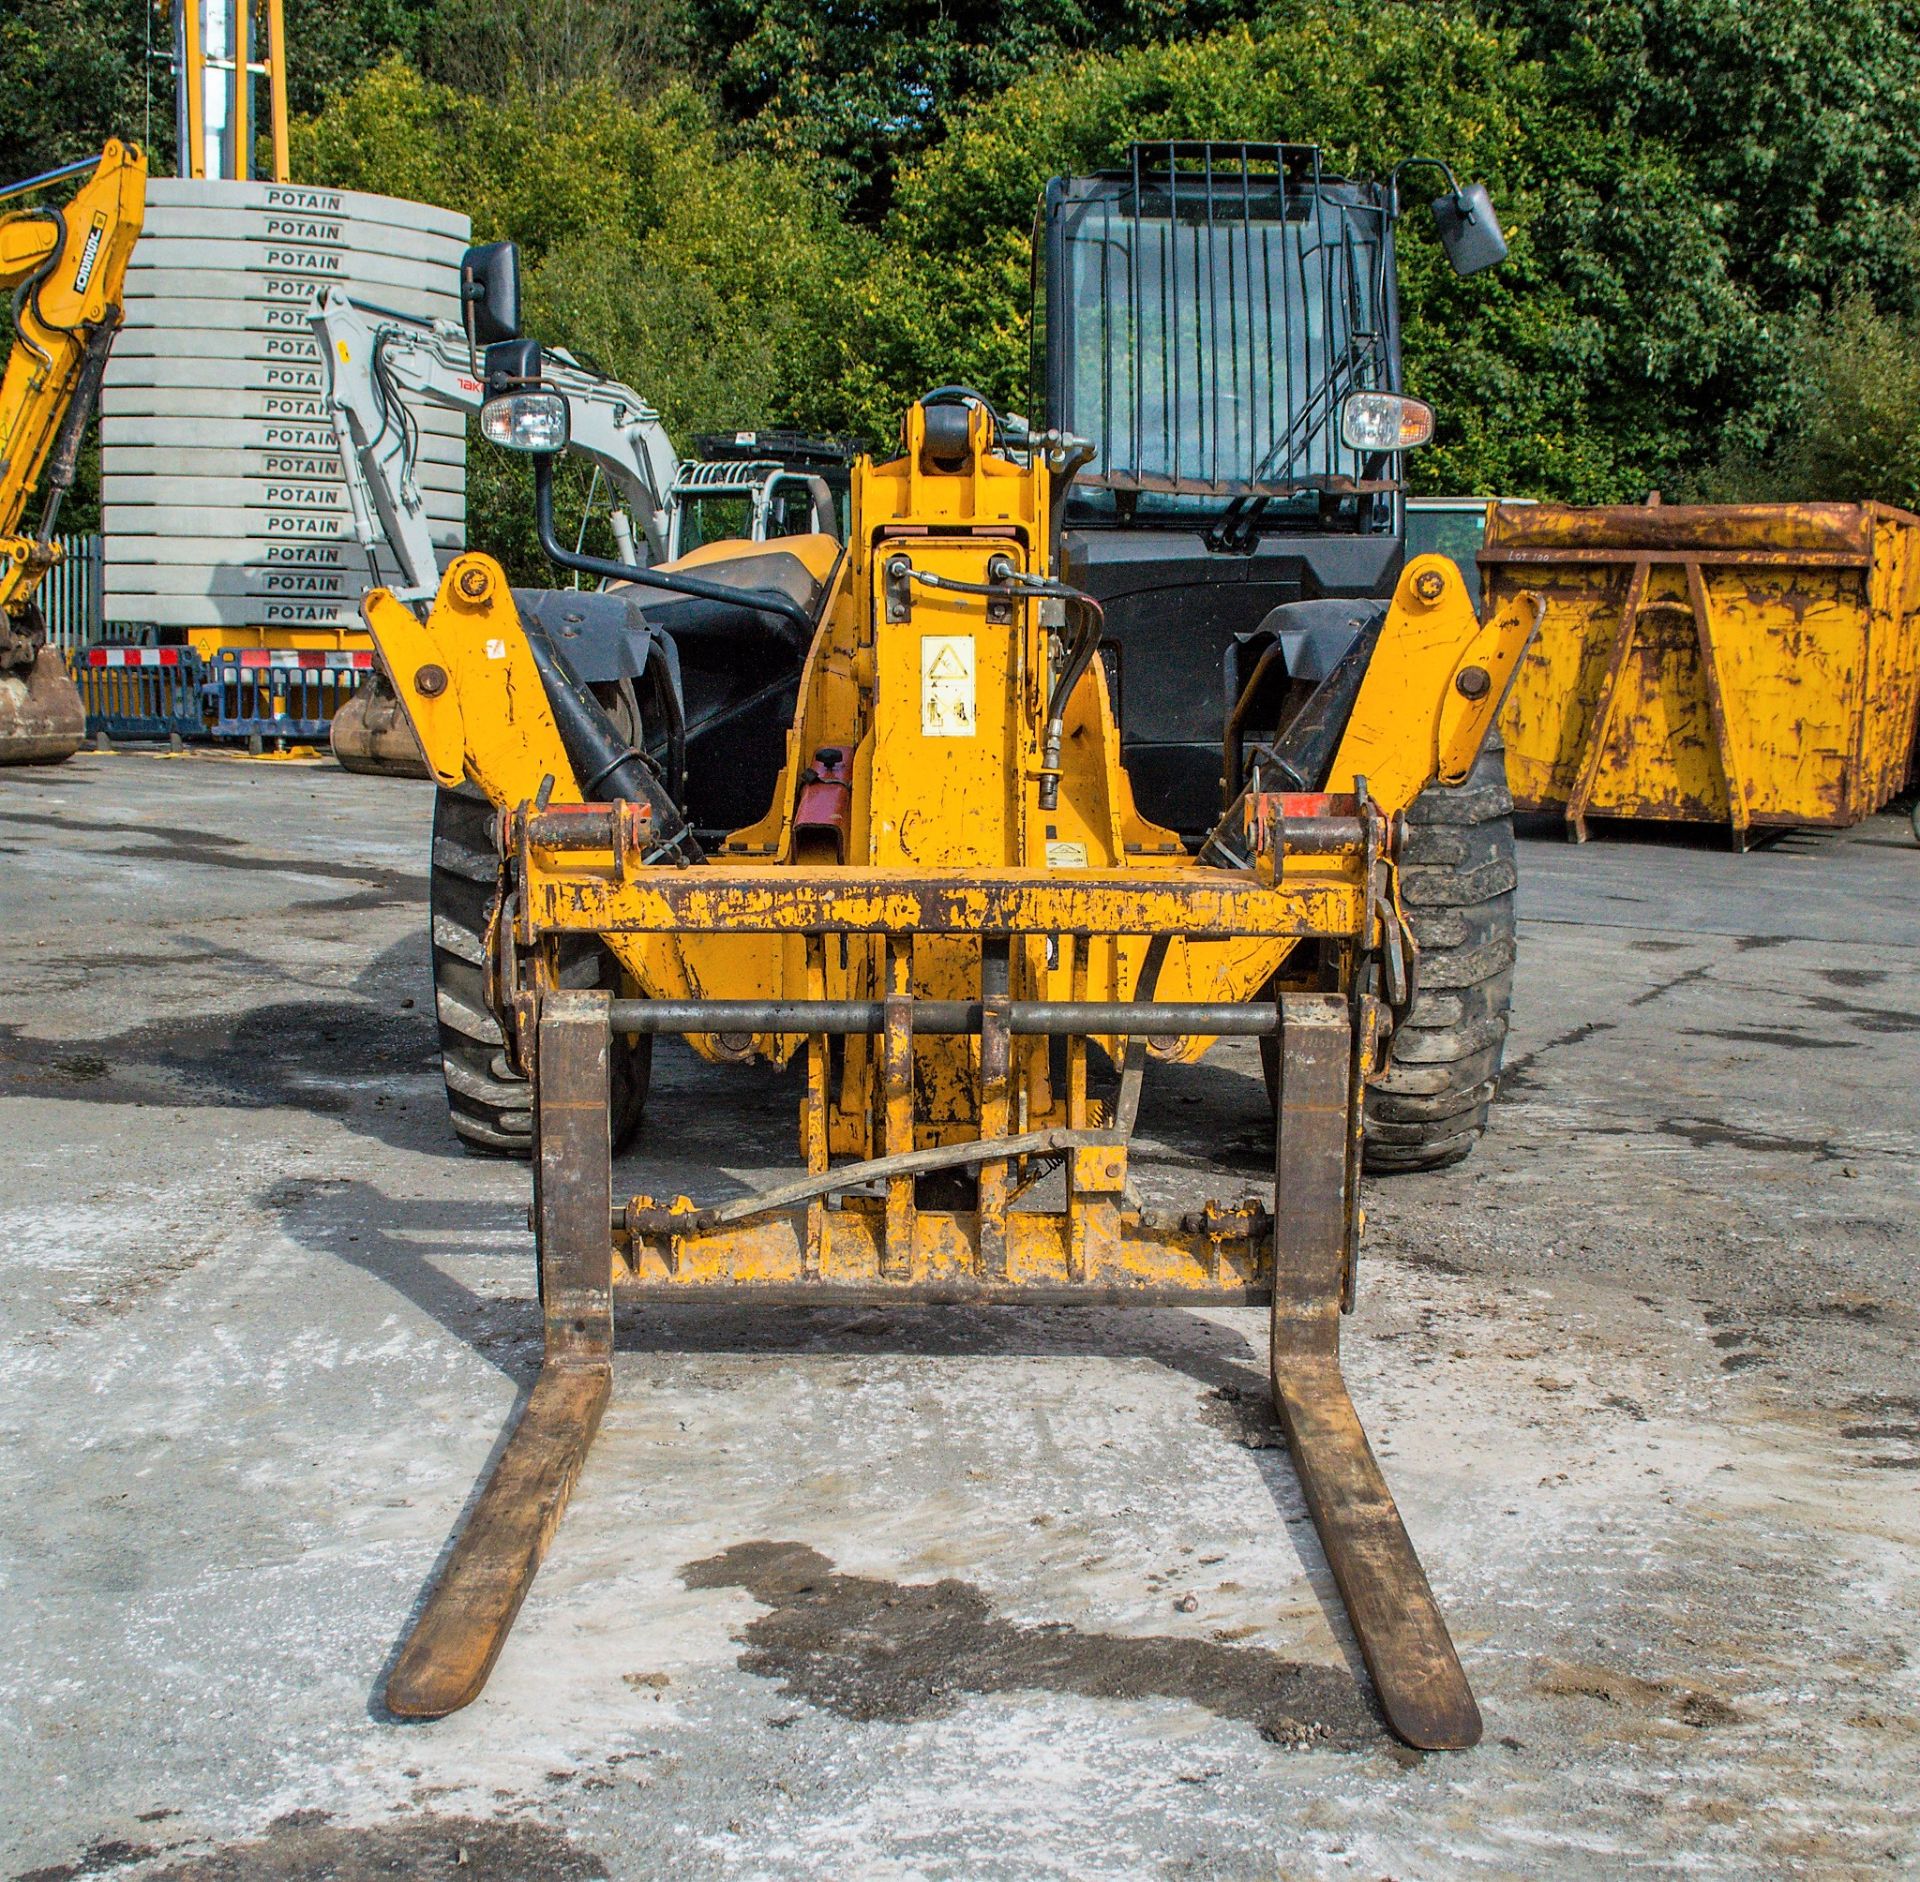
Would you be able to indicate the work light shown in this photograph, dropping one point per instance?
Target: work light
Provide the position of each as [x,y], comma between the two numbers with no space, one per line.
[1384,421]
[526,421]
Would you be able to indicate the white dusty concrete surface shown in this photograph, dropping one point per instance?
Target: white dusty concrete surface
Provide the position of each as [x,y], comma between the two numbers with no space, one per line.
[1642,1373]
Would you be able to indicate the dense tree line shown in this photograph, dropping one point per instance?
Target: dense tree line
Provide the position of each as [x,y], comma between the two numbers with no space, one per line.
[802,213]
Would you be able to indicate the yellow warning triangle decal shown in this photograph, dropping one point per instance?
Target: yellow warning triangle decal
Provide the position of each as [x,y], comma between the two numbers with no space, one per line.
[947,665]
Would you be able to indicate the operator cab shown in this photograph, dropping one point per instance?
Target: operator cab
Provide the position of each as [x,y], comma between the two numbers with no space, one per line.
[1221,323]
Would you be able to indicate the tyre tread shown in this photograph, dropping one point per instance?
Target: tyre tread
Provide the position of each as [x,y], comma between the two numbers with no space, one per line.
[1457,880]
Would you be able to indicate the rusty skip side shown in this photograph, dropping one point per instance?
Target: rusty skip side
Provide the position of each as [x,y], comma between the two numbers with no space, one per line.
[1753,665]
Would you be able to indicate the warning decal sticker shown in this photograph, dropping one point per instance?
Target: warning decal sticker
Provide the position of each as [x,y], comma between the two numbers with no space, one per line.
[946,686]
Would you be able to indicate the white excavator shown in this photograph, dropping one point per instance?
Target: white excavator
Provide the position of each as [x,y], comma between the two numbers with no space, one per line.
[690,648]
[382,363]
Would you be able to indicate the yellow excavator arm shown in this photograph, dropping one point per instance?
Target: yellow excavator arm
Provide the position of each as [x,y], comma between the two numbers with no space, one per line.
[62,270]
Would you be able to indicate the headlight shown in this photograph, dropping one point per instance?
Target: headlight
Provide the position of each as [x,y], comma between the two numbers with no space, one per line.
[1384,421]
[526,421]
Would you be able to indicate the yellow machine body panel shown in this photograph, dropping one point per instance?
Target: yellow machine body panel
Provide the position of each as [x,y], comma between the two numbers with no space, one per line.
[71,264]
[208,641]
[62,271]
[942,707]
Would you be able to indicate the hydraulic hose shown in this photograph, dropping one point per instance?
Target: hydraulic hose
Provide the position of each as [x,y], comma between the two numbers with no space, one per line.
[673,708]
[1080,652]
[64,458]
[607,767]
[795,623]
[28,292]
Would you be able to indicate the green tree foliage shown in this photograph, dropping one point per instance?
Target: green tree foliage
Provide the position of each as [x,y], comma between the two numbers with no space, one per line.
[714,281]
[1663,244]
[1566,372]
[805,213]
[75,76]
[81,71]
[495,47]
[331,42]
[1850,418]
[852,89]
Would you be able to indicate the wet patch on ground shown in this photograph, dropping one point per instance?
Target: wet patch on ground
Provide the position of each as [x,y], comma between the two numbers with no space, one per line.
[176,843]
[1245,1414]
[1867,1019]
[1661,988]
[1769,1036]
[872,1649]
[1889,1429]
[1710,1133]
[306,1847]
[266,1057]
[101,1858]
[1516,1075]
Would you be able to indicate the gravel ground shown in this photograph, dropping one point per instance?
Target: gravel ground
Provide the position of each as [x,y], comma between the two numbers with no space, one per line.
[901,1593]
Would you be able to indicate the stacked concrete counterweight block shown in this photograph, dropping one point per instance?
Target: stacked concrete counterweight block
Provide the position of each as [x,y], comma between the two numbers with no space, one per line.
[225,507]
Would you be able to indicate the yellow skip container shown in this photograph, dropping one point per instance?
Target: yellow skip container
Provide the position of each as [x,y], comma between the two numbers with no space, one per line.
[1753,664]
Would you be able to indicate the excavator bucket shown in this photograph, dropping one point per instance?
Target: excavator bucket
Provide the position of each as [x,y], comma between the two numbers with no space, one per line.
[950,913]
[370,734]
[42,719]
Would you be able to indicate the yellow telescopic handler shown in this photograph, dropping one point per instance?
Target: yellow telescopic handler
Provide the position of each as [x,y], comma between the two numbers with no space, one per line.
[950,906]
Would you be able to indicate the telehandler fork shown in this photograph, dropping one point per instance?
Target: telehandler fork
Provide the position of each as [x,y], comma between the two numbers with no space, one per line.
[951,896]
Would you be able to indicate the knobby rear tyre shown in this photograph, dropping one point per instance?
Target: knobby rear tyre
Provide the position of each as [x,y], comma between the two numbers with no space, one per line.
[1456,883]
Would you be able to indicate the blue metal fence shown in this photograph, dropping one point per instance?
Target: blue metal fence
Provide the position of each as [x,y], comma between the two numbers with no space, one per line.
[257,694]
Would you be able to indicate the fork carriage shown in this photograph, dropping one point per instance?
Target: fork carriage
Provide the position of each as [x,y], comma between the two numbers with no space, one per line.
[1010,1105]
[819,1237]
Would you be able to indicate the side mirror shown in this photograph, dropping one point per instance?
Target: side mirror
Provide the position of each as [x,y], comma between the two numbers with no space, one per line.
[1469,230]
[490,293]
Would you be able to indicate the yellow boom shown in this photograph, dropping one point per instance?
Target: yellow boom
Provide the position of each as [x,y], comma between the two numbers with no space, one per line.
[63,270]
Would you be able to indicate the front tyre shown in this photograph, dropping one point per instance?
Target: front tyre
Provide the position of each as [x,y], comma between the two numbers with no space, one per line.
[1456,884]
[488,1103]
